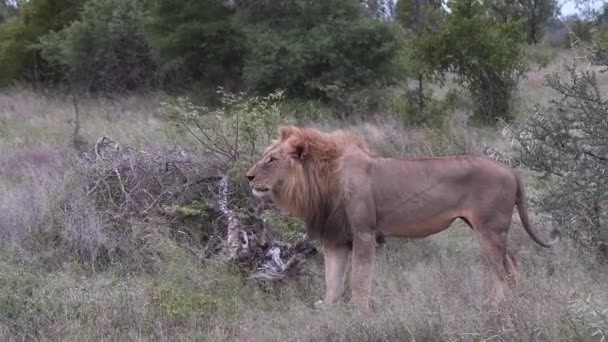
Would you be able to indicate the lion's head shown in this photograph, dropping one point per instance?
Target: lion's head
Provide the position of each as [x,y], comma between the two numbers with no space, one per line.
[299,170]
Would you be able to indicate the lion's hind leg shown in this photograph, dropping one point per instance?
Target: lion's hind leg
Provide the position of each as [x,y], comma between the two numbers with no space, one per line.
[493,242]
[511,266]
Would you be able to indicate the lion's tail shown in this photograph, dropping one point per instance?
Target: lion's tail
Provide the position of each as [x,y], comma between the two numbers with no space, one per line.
[523,215]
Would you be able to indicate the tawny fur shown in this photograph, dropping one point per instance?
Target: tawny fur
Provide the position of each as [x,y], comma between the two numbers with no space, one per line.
[349,198]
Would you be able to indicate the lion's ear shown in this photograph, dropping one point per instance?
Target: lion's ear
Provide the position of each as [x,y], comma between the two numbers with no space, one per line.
[286,132]
[299,149]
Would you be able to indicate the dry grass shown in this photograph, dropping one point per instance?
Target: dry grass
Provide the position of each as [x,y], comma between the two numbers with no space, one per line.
[532,89]
[156,289]
[435,289]
[27,118]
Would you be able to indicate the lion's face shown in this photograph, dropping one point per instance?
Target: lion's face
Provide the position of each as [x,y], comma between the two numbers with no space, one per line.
[268,174]
[280,163]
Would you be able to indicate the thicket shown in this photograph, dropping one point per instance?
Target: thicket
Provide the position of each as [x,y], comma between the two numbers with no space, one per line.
[485,54]
[130,207]
[318,49]
[567,143]
[104,50]
[20,31]
[195,41]
[311,49]
[344,53]
[534,15]
[348,55]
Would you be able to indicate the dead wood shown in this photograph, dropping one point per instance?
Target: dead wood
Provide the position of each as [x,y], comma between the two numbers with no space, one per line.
[130,183]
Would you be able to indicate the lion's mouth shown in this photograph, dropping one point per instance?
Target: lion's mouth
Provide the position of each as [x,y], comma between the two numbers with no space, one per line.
[260,191]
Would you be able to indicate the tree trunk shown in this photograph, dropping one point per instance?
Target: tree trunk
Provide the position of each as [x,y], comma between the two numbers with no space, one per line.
[420,92]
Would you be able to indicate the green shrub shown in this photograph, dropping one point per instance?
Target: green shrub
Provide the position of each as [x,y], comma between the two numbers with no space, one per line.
[434,113]
[319,49]
[303,110]
[236,130]
[195,40]
[599,45]
[580,30]
[103,50]
[566,143]
[19,57]
[486,55]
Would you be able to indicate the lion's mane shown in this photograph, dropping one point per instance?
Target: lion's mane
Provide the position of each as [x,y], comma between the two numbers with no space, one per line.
[314,189]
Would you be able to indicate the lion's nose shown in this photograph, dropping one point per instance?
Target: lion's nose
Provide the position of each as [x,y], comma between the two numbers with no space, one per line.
[250,173]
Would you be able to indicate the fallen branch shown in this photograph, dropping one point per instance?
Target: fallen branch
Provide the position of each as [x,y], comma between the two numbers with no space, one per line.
[236,246]
[283,259]
[129,184]
[275,260]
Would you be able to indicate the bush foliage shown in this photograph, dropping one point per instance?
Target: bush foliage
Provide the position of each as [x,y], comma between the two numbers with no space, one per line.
[19,59]
[104,50]
[567,143]
[317,49]
[195,40]
[232,132]
[484,53]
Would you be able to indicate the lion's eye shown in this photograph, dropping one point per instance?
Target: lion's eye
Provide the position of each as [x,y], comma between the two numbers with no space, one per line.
[271,160]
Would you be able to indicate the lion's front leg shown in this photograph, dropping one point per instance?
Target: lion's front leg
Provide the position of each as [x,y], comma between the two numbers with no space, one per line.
[362,217]
[364,247]
[336,262]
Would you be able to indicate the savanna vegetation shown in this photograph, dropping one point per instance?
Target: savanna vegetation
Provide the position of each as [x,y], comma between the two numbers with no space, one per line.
[126,128]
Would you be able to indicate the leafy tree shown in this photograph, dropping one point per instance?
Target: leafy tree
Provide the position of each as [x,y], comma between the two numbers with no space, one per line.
[420,18]
[104,50]
[485,54]
[418,15]
[318,49]
[535,14]
[18,34]
[196,40]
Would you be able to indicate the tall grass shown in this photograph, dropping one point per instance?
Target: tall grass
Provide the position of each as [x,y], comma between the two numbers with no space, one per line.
[68,272]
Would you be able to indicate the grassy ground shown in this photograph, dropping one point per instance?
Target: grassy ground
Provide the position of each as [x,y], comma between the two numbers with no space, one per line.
[52,287]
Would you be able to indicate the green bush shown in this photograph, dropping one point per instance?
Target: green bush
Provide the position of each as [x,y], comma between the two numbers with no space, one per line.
[580,30]
[434,113]
[486,55]
[599,45]
[534,15]
[317,49]
[195,40]
[566,142]
[232,132]
[105,49]
[19,57]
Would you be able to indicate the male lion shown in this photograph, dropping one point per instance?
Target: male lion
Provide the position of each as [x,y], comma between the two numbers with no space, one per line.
[349,199]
